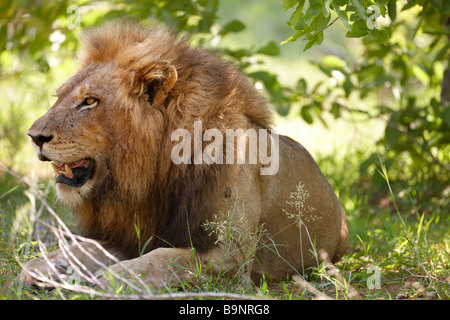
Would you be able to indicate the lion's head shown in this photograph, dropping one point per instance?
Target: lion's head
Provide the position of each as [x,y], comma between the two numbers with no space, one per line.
[108,134]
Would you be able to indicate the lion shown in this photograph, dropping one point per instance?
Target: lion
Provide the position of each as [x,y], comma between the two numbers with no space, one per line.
[109,139]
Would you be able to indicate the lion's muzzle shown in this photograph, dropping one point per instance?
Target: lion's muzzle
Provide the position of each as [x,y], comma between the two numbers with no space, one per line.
[39,139]
[73,174]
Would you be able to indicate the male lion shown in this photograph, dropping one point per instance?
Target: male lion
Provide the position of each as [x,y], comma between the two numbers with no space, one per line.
[109,137]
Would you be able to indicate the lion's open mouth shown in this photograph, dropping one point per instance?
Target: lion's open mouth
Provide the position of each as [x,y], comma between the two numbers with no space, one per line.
[74,174]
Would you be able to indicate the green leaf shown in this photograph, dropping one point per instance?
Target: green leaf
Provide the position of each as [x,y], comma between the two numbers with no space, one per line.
[270,49]
[359,29]
[347,86]
[306,114]
[360,9]
[313,11]
[263,284]
[287,4]
[342,15]
[392,134]
[301,87]
[296,16]
[271,83]
[264,76]
[323,67]
[392,10]
[335,110]
[232,26]
[380,36]
[313,39]
[333,62]
[326,8]
[297,35]
[420,74]
[320,22]
[282,109]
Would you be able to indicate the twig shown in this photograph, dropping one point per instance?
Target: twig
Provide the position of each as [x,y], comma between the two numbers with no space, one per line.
[306,285]
[74,262]
[74,239]
[330,24]
[333,271]
[412,275]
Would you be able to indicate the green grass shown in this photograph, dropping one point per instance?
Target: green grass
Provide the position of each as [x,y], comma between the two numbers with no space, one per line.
[407,250]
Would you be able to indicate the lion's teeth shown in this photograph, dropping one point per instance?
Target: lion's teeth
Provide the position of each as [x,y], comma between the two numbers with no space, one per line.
[69,172]
[55,168]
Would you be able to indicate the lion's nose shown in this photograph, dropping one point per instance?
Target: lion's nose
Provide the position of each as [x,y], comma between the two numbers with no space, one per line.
[39,139]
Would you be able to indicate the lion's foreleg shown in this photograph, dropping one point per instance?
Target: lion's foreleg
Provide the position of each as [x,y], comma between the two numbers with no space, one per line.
[157,268]
[166,266]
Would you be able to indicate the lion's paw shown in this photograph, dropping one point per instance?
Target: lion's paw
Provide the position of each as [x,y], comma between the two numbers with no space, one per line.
[43,272]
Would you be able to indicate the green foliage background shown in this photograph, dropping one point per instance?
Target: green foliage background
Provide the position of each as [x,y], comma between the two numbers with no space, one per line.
[403,74]
[397,75]
[347,67]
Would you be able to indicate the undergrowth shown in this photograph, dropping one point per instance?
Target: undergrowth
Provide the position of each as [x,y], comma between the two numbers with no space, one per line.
[399,249]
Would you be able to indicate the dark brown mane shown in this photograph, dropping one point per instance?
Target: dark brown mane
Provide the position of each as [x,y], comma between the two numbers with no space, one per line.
[185,206]
[171,215]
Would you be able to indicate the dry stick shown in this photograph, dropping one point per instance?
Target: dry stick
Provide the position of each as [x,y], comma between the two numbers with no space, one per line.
[412,275]
[303,284]
[332,270]
[51,270]
[74,262]
[149,296]
[68,255]
[71,258]
[84,251]
[49,264]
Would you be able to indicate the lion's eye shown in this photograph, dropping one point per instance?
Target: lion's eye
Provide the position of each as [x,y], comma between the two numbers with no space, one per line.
[87,103]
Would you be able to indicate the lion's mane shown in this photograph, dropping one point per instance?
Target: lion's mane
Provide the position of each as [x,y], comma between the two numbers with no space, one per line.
[144,189]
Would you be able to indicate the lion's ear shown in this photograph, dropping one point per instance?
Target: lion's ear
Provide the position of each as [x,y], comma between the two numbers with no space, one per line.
[159,78]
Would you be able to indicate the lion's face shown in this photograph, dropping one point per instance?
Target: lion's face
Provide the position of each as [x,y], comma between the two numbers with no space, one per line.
[77,132]
[107,121]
